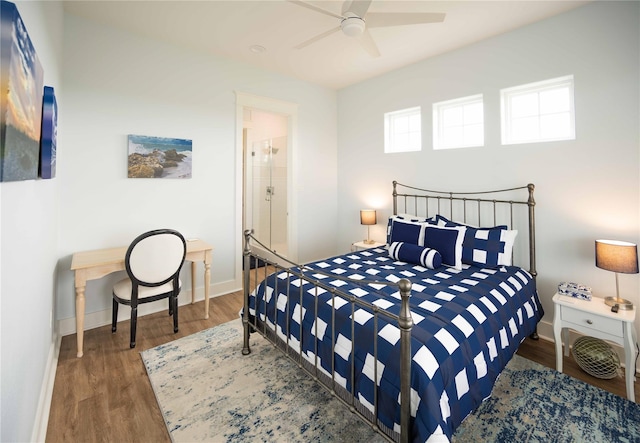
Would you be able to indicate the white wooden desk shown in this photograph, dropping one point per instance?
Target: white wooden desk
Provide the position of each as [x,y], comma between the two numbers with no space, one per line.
[595,319]
[91,265]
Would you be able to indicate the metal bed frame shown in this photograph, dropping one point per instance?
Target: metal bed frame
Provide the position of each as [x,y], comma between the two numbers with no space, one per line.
[480,207]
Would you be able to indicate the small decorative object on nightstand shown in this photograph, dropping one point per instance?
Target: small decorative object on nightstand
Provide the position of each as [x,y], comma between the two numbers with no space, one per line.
[594,318]
[575,290]
[368,218]
[617,256]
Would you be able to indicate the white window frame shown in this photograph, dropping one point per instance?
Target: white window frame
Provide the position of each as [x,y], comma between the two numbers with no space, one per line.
[391,142]
[440,140]
[506,98]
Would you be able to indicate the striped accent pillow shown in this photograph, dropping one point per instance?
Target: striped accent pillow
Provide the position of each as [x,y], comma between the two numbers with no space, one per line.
[410,253]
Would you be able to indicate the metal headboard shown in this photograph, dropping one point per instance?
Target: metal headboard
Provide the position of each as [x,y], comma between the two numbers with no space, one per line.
[482,209]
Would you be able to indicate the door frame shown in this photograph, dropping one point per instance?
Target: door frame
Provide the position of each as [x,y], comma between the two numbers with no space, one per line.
[289,110]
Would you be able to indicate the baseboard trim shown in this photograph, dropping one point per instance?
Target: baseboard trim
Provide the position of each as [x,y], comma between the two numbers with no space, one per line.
[545,330]
[39,432]
[67,326]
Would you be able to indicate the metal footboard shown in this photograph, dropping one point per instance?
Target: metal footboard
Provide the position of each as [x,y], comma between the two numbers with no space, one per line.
[403,321]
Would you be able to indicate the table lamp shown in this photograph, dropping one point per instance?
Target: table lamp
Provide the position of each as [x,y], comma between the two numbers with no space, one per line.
[368,218]
[617,256]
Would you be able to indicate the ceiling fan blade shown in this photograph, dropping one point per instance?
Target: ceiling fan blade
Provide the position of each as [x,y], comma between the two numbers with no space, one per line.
[358,7]
[317,37]
[315,8]
[369,44]
[381,19]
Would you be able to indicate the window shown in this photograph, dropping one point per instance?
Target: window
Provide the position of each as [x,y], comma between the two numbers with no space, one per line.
[538,112]
[458,123]
[402,131]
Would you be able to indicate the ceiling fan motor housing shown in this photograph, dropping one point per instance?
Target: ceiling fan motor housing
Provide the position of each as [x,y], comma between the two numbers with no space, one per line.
[352,26]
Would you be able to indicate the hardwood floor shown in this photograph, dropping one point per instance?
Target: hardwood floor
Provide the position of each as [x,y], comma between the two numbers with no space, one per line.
[105,396]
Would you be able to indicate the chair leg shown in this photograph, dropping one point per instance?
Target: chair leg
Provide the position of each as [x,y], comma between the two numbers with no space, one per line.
[134,323]
[175,313]
[114,316]
[170,306]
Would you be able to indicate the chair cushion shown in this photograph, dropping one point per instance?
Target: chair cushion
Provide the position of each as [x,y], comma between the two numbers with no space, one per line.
[122,289]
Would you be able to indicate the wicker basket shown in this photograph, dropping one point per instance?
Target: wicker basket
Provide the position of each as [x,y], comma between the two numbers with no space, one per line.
[596,357]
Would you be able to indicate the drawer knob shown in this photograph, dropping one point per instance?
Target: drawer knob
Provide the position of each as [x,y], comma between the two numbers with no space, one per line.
[589,322]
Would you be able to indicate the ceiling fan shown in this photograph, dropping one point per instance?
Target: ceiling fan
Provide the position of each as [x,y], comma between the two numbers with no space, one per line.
[355,22]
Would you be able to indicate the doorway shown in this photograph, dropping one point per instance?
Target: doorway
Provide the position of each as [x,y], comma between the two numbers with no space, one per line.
[266,176]
[266,140]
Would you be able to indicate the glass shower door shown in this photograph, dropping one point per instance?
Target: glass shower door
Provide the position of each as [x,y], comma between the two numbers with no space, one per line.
[269,193]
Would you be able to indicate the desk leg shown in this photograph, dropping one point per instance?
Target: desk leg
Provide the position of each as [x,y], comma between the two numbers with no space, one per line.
[207,282]
[80,318]
[193,282]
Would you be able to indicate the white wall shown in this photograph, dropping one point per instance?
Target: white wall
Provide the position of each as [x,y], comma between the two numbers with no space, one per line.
[29,254]
[117,84]
[586,189]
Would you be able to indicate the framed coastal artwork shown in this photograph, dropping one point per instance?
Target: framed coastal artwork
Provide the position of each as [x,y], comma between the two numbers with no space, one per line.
[22,82]
[48,142]
[159,157]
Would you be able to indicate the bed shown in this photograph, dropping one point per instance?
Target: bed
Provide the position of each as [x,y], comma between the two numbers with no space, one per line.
[433,317]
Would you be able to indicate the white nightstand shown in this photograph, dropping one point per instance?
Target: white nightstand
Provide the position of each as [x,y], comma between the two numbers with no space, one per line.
[359,245]
[595,319]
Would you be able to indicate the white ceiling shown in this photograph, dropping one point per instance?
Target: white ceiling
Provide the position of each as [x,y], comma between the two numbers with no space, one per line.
[230,28]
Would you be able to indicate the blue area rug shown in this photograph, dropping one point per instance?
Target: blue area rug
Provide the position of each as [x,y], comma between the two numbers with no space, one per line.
[532,403]
[209,392]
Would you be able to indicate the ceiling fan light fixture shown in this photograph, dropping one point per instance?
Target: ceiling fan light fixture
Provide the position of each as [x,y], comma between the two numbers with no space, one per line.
[352,26]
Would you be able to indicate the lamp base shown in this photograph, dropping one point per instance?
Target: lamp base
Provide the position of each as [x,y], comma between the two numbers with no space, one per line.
[368,242]
[623,305]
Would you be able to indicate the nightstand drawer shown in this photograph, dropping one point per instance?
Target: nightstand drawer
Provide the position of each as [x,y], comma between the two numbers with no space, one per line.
[592,321]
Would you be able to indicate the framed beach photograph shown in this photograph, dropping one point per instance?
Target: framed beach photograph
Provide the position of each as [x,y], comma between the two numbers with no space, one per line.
[22,80]
[159,157]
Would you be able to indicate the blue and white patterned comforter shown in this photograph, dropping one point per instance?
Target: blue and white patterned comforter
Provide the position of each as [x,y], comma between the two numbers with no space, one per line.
[467,325]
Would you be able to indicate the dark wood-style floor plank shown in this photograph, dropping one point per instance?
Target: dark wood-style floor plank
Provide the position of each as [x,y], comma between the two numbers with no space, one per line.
[105,396]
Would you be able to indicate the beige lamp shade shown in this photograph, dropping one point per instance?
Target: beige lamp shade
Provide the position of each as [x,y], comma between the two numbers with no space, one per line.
[617,256]
[368,217]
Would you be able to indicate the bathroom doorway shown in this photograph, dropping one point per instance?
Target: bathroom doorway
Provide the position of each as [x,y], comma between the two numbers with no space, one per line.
[266,178]
[266,141]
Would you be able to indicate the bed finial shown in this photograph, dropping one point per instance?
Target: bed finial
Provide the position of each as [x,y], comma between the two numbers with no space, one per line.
[395,198]
[531,187]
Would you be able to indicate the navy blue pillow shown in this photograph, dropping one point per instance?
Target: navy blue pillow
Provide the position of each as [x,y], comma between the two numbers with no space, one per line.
[405,232]
[447,241]
[407,252]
